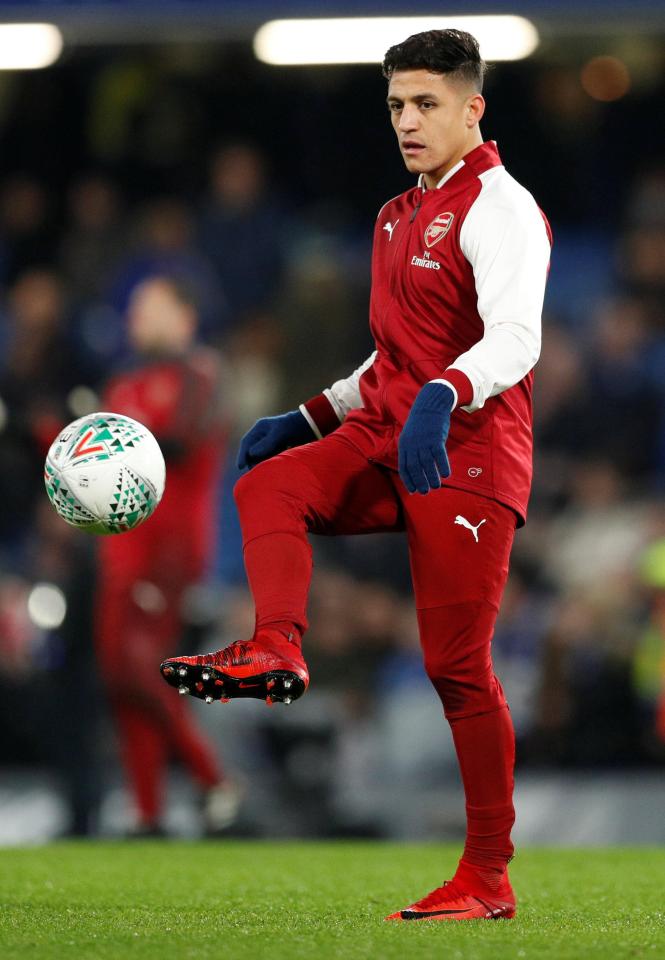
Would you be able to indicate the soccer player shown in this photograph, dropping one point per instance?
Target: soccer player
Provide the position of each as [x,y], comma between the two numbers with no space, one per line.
[172,386]
[431,435]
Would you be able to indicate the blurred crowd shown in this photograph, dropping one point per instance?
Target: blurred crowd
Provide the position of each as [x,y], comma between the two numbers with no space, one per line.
[279,283]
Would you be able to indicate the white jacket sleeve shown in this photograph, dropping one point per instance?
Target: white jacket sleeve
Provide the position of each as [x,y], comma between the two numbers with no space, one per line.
[505,240]
[343,396]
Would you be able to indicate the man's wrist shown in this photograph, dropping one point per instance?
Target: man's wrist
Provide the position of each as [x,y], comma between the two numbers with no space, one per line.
[451,387]
[434,398]
[460,384]
[320,415]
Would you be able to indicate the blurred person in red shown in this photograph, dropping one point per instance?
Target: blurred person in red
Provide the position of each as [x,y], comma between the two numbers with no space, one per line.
[174,388]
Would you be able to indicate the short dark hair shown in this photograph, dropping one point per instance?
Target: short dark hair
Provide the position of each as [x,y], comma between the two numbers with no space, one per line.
[454,53]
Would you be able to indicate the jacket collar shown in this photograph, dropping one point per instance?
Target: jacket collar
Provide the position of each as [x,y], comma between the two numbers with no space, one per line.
[481,158]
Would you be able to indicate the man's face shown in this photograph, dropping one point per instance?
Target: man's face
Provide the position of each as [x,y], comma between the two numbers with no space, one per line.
[435,120]
[157,320]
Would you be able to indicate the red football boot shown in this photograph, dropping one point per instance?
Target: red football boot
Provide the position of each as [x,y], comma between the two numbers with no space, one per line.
[268,667]
[471,895]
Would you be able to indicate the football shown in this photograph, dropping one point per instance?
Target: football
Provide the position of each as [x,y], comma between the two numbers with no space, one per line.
[105,473]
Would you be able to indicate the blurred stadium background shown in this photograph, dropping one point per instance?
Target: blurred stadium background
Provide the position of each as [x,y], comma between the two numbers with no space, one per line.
[158,143]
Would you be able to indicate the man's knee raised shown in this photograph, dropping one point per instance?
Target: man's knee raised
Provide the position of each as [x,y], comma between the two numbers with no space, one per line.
[261,481]
[242,491]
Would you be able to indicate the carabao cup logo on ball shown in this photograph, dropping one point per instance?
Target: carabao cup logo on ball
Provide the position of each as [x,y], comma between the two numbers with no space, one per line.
[105,473]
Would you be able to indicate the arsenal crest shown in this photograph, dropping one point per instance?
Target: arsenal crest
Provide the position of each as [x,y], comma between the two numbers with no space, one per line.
[438,228]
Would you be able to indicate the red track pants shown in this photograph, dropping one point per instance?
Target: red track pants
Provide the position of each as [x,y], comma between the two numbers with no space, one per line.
[459,546]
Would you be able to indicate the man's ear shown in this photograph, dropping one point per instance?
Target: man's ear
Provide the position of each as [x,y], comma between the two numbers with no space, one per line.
[475,108]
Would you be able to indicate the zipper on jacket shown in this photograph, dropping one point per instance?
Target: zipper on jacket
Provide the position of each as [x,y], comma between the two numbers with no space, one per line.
[404,239]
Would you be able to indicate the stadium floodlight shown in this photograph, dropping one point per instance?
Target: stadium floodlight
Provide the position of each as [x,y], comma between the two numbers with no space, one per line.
[47,606]
[29,46]
[366,39]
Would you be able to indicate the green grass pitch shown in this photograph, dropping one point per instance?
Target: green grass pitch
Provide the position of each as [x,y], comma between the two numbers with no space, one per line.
[238,900]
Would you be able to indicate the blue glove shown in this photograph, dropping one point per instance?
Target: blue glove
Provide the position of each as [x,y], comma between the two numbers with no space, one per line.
[271,435]
[423,460]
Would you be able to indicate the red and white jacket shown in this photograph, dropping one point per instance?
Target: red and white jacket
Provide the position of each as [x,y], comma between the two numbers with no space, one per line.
[458,280]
